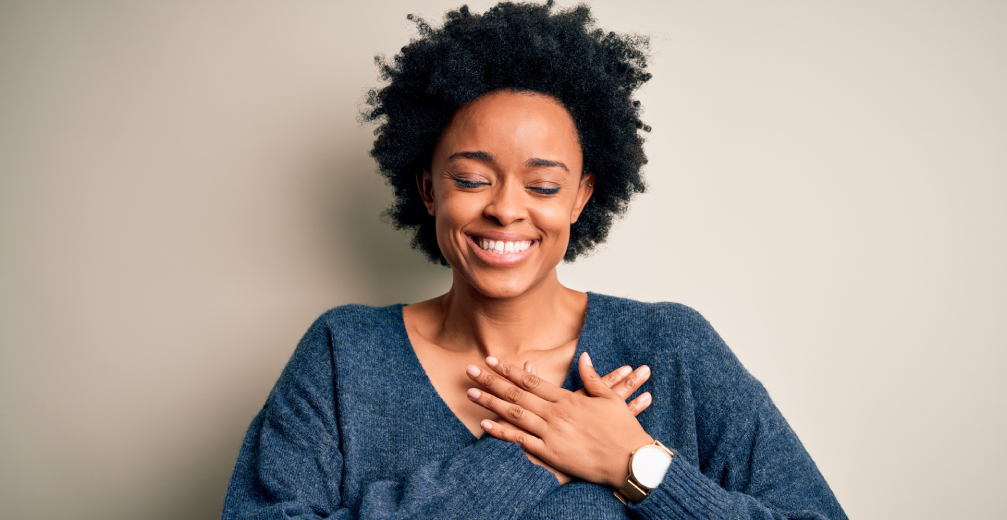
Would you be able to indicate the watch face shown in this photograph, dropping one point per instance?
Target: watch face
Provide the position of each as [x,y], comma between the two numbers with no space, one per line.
[649,465]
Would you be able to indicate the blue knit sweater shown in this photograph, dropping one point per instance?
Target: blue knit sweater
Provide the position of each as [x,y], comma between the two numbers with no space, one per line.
[355,429]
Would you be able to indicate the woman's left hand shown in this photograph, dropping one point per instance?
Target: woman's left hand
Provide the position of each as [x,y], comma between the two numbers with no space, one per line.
[589,436]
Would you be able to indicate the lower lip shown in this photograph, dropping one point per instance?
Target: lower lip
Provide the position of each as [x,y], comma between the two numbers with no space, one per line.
[500,259]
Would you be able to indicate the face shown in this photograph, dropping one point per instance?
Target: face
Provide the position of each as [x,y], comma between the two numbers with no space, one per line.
[505,185]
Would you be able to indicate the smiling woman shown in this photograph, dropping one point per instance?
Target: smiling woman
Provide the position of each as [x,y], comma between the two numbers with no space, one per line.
[512,141]
[505,187]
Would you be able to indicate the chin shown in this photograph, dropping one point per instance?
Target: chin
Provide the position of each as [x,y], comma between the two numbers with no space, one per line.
[502,286]
[502,290]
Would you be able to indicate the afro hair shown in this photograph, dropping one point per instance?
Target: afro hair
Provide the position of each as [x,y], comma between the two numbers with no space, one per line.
[520,47]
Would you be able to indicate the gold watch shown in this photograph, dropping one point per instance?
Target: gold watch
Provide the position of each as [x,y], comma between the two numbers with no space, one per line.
[647,466]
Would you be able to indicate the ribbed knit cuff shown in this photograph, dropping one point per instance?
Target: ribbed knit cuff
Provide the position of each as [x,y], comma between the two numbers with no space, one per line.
[503,478]
[684,494]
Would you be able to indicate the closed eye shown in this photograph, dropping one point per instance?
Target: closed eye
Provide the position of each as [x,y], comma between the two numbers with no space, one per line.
[544,191]
[463,183]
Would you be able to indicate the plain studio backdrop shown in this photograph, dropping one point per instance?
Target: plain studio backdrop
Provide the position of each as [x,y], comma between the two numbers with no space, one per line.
[184,188]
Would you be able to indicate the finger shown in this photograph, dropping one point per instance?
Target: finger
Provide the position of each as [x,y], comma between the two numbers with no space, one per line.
[510,412]
[528,442]
[503,389]
[632,382]
[641,403]
[616,375]
[530,368]
[592,381]
[611,379]
[525,380]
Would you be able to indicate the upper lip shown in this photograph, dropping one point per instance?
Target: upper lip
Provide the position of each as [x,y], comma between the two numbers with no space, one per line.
[497,235]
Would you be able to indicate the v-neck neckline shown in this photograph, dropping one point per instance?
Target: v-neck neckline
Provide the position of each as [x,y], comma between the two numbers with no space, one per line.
[572,381]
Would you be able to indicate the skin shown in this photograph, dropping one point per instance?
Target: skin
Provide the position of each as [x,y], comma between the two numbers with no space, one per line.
[509,167]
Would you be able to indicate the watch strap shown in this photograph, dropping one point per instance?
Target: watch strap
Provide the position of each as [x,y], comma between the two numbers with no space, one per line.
[631,492]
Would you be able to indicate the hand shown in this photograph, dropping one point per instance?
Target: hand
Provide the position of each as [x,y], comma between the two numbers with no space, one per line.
[587,435]
[628,381]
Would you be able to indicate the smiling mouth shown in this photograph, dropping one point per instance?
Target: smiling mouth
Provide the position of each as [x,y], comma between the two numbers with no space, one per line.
[502,247]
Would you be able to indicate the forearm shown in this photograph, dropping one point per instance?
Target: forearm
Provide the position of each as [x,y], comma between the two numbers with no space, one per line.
[686,493]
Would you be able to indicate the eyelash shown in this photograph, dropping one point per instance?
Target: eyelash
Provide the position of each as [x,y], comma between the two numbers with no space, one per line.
[545,191]
[463,183]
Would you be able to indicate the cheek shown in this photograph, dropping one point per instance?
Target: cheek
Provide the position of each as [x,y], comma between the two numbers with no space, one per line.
[554,217]
[453,213]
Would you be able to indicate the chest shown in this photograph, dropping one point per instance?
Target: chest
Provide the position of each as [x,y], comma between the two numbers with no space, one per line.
[446,371]
[399,414]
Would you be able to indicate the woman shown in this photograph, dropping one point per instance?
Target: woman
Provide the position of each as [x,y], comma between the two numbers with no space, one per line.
[511,140]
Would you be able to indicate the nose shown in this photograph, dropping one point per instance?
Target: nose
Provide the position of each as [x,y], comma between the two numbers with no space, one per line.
[508,204]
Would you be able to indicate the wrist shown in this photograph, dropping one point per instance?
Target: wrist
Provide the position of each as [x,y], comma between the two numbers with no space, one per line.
[648,465]
[619,473]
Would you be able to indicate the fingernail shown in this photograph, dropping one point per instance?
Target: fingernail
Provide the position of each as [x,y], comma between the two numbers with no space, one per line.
[646,397]
[587,360]
[486,425]
[644,370]
[624,371]
[473,371]
[474,394]
[527,366]
[491,361]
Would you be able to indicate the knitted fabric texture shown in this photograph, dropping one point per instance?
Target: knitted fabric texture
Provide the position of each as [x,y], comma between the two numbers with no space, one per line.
[355,429]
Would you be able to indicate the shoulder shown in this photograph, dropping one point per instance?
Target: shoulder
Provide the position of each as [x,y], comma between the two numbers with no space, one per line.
[358,322]
[353,315]
[682,342]
[664,321]
[662,331]
[346,325]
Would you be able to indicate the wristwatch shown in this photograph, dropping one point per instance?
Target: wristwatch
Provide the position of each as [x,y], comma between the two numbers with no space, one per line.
[647,466]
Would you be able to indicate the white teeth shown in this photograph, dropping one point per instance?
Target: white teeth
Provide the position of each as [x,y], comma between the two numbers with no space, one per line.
[501,247]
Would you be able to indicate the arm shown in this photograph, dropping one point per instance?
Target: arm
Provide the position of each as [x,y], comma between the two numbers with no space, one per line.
[762,471]
[291,466]
[751,463]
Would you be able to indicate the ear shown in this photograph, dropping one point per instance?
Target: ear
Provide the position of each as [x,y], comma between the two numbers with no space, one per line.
[584,192]
[426,185]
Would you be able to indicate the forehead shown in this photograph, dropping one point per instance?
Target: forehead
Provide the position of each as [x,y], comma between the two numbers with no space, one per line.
[512,126]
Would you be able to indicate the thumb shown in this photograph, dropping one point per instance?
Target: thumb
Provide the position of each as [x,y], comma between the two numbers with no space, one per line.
[592,381]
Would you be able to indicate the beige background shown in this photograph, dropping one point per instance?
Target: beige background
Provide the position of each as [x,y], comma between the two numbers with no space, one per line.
[184,188]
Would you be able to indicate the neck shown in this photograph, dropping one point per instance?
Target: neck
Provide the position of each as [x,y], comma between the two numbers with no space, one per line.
[545,317]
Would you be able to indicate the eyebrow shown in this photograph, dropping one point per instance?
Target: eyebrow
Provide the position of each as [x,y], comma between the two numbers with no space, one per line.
[534,162]
[478,156]
[545,163]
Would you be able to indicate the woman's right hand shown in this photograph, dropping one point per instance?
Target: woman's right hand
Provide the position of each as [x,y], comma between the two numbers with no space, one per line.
[624,381]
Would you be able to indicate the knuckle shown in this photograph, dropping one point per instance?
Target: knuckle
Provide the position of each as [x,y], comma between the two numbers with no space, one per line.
[506,369]
[513,394]
[515,412]
[487,380]
[530,381]
[521,439]
[630,382]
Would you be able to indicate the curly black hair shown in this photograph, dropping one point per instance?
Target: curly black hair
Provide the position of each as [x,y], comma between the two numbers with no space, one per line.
[520,47]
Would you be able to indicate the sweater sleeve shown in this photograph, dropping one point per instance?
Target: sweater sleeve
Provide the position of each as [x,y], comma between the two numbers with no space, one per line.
[290,465]
[751,464]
